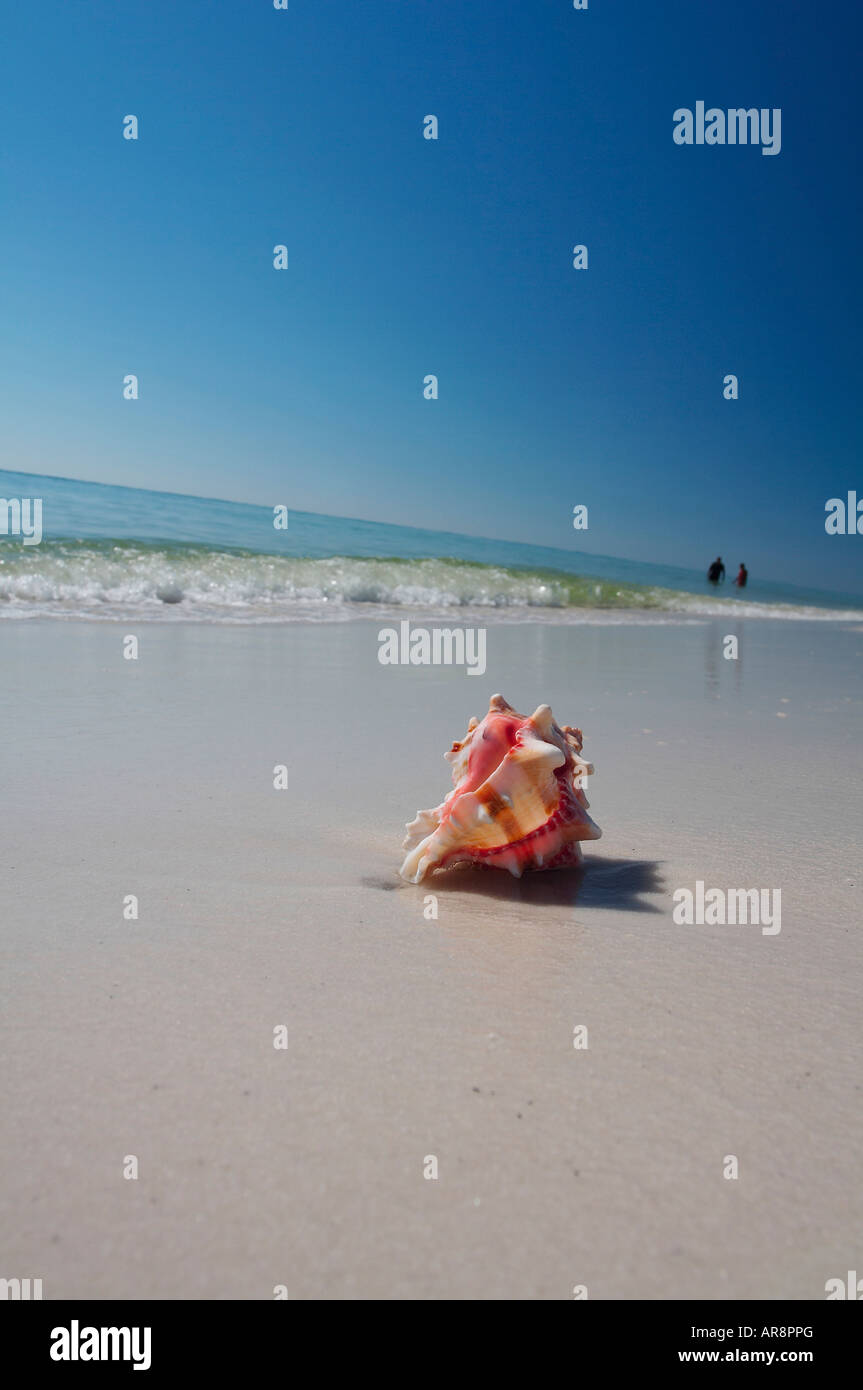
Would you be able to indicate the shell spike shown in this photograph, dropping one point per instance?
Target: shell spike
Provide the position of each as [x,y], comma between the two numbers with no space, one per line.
[543,720]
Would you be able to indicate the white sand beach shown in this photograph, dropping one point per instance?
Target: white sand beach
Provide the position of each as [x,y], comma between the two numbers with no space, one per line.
[303,1167]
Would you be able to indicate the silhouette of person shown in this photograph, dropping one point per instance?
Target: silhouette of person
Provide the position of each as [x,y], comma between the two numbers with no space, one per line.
[742,576]
[716,572]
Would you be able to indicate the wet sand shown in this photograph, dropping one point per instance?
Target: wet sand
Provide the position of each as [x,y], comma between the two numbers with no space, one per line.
[257,1166]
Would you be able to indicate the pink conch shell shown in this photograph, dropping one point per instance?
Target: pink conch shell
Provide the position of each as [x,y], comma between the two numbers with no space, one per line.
[518,801]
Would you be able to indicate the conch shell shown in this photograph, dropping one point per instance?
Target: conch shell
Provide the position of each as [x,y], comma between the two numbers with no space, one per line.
[518,802]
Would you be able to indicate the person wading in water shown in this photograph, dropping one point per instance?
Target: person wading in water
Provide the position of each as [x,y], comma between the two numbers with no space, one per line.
[716,573]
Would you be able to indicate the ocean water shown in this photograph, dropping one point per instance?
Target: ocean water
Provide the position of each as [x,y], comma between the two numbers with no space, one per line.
[115,552]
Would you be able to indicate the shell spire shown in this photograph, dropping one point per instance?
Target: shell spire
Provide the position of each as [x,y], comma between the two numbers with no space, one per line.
[518,800]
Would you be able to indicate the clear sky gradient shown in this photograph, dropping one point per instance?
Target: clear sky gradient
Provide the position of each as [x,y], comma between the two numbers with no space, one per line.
[453,257]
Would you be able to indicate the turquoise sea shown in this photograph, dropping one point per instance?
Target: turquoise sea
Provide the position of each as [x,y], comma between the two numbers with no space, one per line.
[115,552]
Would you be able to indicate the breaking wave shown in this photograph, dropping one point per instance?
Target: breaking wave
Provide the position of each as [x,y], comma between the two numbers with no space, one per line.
[167,582]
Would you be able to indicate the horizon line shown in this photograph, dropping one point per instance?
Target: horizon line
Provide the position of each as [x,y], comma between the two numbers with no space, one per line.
[401,526]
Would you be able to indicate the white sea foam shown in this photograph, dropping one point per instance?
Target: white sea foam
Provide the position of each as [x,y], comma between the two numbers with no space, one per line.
[115,580]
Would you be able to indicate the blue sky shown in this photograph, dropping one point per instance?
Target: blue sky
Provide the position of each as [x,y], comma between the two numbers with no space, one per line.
[453,257]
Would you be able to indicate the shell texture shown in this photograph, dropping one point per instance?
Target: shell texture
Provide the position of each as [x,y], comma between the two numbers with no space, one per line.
[518,800]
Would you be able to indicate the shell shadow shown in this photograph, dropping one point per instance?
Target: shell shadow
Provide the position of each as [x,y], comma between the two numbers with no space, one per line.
[597,882]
